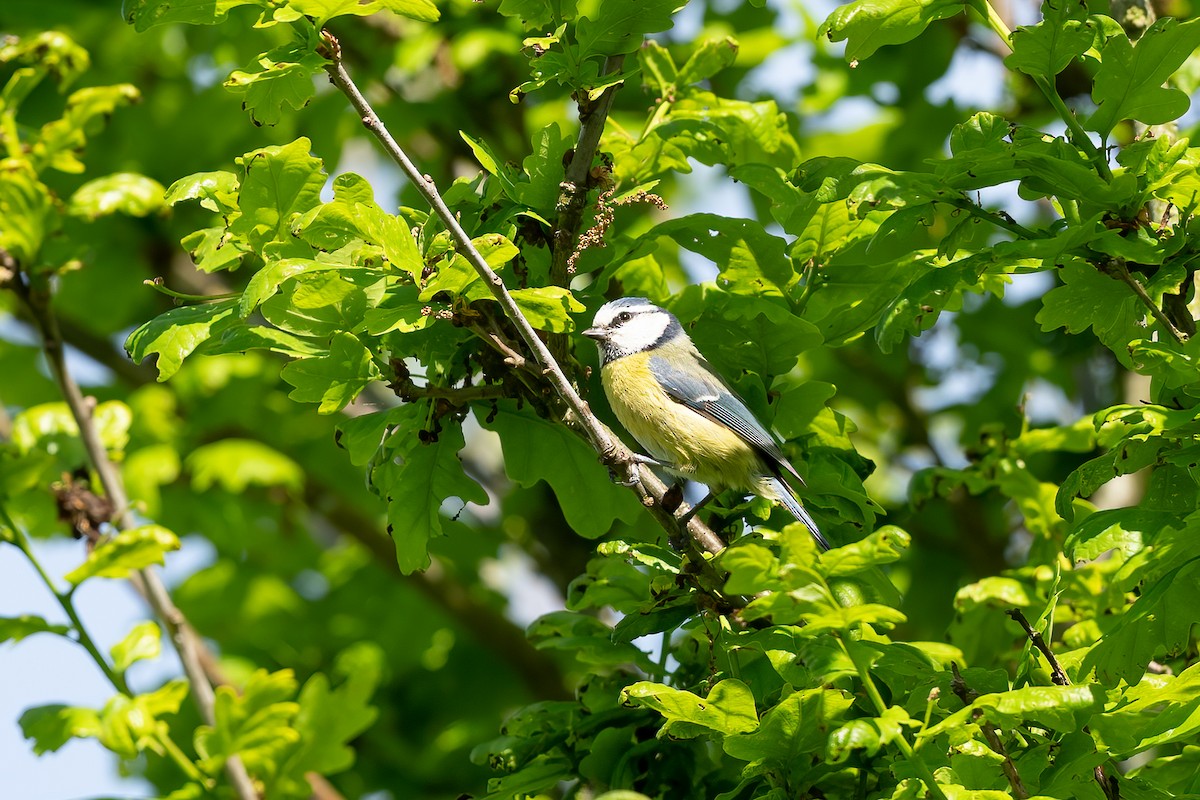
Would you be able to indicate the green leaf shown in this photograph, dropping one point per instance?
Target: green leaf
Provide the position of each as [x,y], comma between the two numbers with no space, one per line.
[538,449]
[14,629]
[362,436]
[1045,49]
[28,211]
[145,14]
[751,261]
[589,641]
[129,550]
[793,728]
[144,641]
[280,182]
[752,568]
[235,464]
[416,481]
[743,333]
[548,308]
[709,58]
[280,77]
[332,380]
[328,721]
[120,193]
[535,14]
[213,249]
[728,709]
[1089,299]
[50,727]
[216,191]
[324,10]
[870,734]
[175,334]
[617,26]
[1058,708]
[867,25]
[492,163]
[62,141]
[255,724]
[51,427]
[399,310]
[1158,623]
[321,304]
[884,546]
[1158,710]
[1130,82]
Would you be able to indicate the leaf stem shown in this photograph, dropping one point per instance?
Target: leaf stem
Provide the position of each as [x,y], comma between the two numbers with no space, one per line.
[173,751]
[159,286]
[912,757]
[612,450]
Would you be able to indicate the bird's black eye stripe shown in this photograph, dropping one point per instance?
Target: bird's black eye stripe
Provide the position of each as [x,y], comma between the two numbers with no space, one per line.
[624,316]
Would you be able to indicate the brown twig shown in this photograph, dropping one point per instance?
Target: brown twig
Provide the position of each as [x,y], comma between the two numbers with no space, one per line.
[968,696]
[612,451]
[1108,783]
[1037,640]
[147,581]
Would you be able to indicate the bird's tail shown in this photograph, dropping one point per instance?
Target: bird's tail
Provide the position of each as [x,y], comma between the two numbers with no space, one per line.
[776,489]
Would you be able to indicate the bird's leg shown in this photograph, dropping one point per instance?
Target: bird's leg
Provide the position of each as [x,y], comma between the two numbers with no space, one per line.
[685,518]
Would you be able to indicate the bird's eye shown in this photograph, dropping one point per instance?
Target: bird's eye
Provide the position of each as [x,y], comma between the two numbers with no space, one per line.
[624,316]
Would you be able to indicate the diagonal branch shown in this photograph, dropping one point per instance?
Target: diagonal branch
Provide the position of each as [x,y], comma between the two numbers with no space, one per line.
[147,581]
[612,450]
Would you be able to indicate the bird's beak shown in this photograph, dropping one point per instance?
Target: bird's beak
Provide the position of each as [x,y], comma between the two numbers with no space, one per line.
[595,333]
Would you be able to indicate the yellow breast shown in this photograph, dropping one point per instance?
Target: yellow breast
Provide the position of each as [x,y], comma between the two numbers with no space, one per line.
[693,445]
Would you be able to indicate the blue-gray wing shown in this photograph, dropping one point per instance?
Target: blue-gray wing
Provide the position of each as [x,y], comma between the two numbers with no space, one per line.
[702,391]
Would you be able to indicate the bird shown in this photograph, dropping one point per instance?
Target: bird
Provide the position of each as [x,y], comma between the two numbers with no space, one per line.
[678,408]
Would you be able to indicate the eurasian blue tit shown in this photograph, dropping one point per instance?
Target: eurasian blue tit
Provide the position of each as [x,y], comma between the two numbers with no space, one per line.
[666,395]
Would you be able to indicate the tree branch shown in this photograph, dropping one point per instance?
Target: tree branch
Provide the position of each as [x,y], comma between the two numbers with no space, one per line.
[185,640]
[572,198]
[968,696]
[612,450]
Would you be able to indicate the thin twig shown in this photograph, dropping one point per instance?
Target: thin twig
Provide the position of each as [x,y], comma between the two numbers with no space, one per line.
[611,449]
[185,640]
[1037,640]
[1121,269]
[968,696]
[573,190]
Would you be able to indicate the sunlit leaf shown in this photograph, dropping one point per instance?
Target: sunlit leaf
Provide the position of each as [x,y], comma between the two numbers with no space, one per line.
[125,552]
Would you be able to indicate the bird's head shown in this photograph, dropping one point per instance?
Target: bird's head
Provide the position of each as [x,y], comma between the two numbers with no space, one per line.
[632,325]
